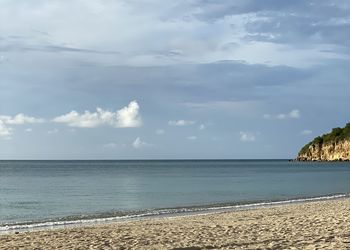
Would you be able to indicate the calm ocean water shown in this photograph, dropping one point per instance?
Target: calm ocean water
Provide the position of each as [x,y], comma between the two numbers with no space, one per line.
[42,191]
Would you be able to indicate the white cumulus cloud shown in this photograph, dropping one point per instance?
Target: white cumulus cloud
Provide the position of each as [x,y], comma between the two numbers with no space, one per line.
[19,119]
[247,136]
[181,123]
[5,132]
[127,117]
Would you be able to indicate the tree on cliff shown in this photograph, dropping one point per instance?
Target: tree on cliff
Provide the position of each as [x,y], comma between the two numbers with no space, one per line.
[335,136]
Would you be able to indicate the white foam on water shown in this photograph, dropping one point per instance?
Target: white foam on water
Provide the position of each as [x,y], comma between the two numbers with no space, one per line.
[161,212]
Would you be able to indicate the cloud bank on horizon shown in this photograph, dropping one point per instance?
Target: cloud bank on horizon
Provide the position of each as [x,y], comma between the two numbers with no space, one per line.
[210,79]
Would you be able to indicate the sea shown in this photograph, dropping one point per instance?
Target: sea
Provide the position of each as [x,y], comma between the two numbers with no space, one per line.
[54,193]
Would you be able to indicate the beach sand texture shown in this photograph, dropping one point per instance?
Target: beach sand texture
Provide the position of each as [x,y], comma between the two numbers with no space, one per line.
[313,225]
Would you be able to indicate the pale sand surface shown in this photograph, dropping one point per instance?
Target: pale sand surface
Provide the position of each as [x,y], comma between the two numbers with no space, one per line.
[314,225]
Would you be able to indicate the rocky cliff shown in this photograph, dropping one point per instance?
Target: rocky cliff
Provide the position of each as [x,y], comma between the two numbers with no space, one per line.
[334,146]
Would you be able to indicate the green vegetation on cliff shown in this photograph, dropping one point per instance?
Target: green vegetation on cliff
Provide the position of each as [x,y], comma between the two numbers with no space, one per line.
[337,134]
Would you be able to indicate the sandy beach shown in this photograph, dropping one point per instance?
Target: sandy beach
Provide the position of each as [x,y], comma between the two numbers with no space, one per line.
[313,225]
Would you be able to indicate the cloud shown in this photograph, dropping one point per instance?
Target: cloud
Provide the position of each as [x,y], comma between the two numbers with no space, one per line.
[3,59]
[186,31]
[5,132]
[237,107]
[294,114]
[138,143]
[86,120]
[127,117]
[112,145]
[160,131]
[202,127]
[316,22]
[29,130]
[192,138]
[53,131]
[306,132]
[181,123]
[20,119]
[225,59]
[247,136]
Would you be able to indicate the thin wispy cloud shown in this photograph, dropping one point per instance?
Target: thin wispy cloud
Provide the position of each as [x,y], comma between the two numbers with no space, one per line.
[181,123]
[113,145]
[110,145]
[191,138]
[53,131]
[160,131]
[294,114]
[306,132]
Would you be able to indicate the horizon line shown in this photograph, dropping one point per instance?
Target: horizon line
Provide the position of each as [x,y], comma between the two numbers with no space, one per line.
[158,159]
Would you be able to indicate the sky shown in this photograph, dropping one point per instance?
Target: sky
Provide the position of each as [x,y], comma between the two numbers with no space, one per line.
[160,79]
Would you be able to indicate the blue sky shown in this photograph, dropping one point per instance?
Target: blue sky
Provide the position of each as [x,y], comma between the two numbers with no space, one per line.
[170,79]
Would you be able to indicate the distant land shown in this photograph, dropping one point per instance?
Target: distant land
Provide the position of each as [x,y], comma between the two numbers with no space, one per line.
[334,146]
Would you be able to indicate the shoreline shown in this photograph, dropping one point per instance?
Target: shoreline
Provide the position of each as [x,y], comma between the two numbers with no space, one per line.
[307,224]
[159,213]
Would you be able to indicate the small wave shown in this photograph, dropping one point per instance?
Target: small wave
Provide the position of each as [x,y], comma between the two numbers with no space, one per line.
[161,212]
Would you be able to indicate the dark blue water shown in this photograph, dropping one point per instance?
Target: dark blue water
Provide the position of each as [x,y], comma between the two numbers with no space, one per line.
[56,190]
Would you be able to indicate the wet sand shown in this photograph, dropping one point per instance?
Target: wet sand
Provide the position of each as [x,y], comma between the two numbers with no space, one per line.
[313,225]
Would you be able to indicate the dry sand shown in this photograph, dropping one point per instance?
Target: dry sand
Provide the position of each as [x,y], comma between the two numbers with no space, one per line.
[314,225]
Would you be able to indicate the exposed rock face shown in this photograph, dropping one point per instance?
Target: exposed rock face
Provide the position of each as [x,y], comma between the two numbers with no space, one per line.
[329,151]
[334,146]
